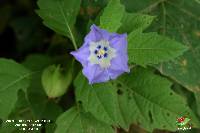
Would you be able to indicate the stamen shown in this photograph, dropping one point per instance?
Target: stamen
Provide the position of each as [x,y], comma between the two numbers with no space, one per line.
[99,46]
[99,56]
[105,55]
[96,51]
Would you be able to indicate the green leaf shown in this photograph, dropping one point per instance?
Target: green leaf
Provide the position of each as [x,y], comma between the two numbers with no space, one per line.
[197,97]
[13,77]
[198,1]
[50,127]
[21,111]
[152,102]
[184,70]
[9,128]
[101,100]
[178,19]
[112,15]
[134,6]
[59,15]
[151,48]
[181,21]
[76,121]
[139,97]
[135,21]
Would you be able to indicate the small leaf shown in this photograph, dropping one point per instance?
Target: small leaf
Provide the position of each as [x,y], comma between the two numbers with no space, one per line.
[134,21]
[112,15]
[151,48]
[59,15]
[76,121]
[13,77]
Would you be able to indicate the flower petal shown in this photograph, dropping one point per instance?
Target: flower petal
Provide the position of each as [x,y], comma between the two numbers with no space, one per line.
[96,34]
[119,42]
[95,74]
[118,66]
[82,54]
[98,67]
[114,73]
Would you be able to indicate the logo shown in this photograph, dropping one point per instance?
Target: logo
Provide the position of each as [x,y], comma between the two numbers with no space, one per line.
[183,123]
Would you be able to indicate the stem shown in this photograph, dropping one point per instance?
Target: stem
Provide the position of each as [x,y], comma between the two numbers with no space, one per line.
[73,39]
[75,46]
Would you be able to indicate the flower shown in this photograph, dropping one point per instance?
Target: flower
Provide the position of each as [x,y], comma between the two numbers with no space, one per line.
[103,55]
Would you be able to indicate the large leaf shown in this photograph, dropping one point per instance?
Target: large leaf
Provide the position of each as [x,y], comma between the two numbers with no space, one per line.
[181,21]
[112,15]
[13,77]
[178,19]
[152,101]
[151,48]
[140,97]
[59,15]
[135,21]
[101,100]
[76,121]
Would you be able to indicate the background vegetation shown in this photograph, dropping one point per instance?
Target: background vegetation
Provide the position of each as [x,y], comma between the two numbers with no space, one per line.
[25,39]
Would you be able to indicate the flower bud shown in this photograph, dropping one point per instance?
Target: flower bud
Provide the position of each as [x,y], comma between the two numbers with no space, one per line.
[56,81]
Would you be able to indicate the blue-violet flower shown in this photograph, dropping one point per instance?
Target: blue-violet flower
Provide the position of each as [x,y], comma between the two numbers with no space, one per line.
[103,55]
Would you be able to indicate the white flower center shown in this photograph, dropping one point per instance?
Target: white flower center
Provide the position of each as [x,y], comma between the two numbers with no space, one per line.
[101,53]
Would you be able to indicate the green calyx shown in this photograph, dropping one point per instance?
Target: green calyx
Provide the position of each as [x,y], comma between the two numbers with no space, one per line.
[56,81]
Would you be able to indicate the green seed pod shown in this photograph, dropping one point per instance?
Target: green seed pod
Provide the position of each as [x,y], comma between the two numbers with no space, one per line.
[55,81]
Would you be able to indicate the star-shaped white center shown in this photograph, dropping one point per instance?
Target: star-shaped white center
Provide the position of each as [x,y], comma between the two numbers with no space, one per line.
[101,53]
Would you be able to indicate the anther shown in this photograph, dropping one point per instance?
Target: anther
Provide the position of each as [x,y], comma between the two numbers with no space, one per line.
[105,48]
[95,51]
[99,46]
[105,55]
